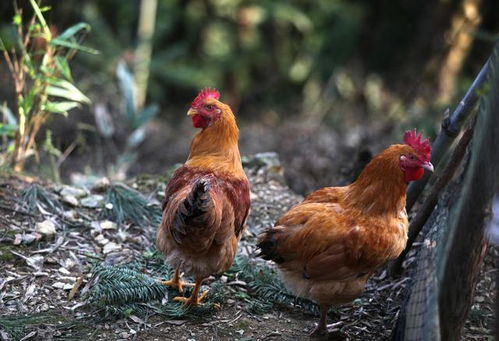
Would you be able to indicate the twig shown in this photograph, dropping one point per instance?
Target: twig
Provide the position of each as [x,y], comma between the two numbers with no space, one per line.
[429,204]
[66,153]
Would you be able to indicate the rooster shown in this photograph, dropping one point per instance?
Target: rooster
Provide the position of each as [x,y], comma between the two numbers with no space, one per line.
[328,246]
[207,200]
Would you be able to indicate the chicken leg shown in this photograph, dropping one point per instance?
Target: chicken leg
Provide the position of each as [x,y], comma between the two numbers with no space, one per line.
[176,283]
[194,299]
[321,328]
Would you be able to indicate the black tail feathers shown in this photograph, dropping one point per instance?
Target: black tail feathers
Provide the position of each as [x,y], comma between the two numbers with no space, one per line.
[191,210]
[267,242]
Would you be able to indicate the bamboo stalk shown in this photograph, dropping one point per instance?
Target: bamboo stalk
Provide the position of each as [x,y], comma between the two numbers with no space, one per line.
[143,52]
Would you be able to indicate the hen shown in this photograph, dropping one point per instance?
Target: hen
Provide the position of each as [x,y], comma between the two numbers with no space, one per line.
[207,200]
[328,246]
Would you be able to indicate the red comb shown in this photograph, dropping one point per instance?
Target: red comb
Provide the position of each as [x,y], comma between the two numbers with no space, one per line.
[422,147]
[204,94]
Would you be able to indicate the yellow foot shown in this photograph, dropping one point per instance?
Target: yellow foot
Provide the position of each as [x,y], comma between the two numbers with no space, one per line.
[177,284]
[192,300]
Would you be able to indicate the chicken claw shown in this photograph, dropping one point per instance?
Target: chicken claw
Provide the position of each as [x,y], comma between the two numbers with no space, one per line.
[176,283]
[194,299]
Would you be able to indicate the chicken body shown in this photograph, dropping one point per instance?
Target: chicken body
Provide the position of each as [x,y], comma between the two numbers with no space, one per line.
[328,246]
[206,203]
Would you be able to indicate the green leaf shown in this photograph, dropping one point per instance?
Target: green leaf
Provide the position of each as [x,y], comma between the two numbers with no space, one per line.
[8,129]
[8,114]
[127,87]
[64,89]
[72,45]
[61,107]
[63,66]
[41,19]
[48,145]
[71,31]
[45,9]
[136,138]
[146,114]
[18,19]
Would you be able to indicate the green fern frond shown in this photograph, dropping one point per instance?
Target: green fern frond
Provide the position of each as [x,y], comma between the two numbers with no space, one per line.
[121,286]
[35,195]
[266,287]
[120,291]
[130,206]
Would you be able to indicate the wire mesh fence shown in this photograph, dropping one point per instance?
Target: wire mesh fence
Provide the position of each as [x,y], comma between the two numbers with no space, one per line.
[451,245]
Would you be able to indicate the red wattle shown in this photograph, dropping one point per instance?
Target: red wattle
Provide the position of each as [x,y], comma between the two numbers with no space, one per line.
[413,174]
[199,121]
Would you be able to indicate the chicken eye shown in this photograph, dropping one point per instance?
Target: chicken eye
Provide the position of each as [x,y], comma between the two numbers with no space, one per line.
[412,157]
[209,107]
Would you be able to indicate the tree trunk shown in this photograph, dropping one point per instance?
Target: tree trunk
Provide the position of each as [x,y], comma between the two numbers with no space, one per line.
[460,35]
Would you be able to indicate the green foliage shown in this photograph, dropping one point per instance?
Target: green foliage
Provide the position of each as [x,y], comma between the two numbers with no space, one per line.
[130,206]
[38,63]
[265,286]
[135,117]
[121,291]
[19,326]
[36,198]
[261,48]
[124,285]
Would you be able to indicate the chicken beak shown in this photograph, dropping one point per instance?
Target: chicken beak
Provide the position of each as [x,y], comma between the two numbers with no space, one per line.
[428,166]
[192,112]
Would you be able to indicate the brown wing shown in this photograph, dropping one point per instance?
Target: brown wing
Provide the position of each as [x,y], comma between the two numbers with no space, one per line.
[322,242]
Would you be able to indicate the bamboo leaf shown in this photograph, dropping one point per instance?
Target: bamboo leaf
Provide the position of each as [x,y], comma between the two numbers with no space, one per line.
[61,107]
[8,114]
[8,129]
[41,19]
[72,31]
[73,45]
[127,87]
[63,66]
[64,89]
[146,115]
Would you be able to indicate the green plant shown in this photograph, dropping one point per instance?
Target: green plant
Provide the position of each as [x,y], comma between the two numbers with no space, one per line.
[119,291]
[265,287]
[38,62]
[37,199]
[135,117]
[129,205]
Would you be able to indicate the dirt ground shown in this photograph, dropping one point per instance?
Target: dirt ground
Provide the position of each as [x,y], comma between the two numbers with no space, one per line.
[45,253]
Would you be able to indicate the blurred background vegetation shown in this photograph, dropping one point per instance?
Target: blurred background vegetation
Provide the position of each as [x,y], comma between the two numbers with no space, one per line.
[324,83]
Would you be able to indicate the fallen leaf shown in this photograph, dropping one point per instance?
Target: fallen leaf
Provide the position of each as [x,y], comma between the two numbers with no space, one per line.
[46,227]
[110,247]
[18,239]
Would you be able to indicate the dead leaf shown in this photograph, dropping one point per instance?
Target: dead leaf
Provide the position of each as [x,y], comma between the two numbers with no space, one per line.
[75,288]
